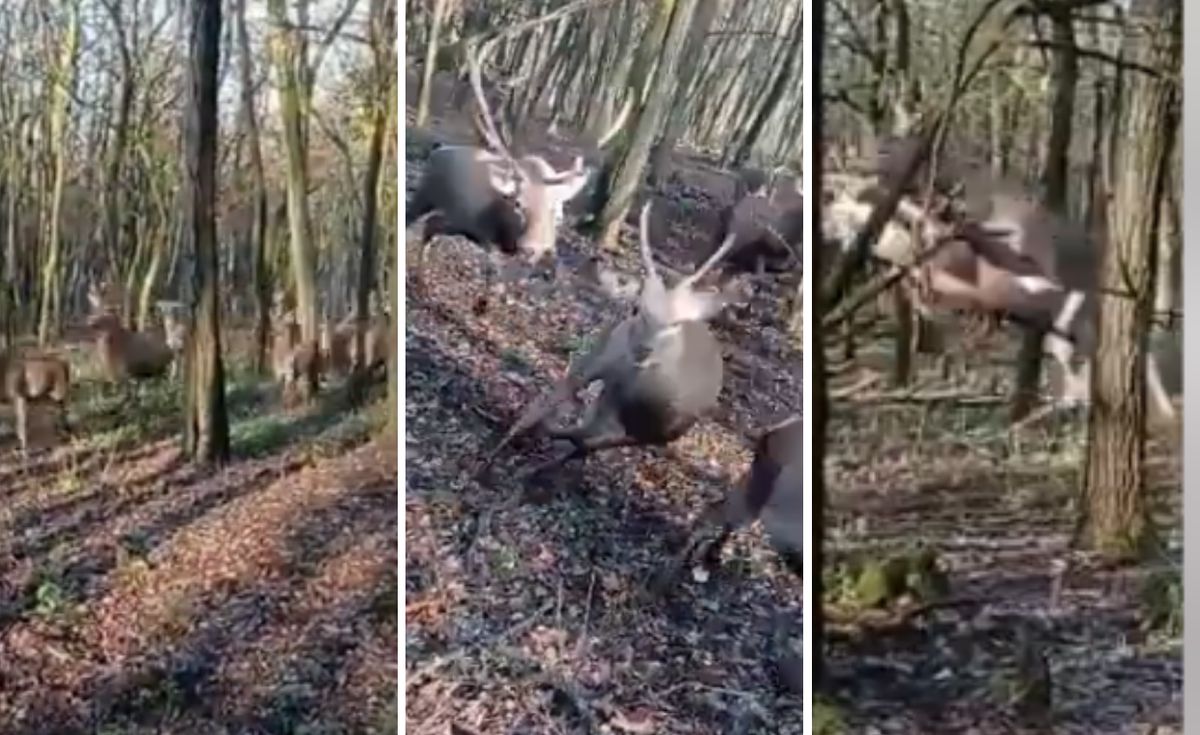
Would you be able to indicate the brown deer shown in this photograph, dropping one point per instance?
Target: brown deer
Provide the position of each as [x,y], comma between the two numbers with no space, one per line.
[176,327]
[661,368]
[771,489]
[1049,284]
[292,358]
[125,354]
[342,347]
[767,231]
[492,198]
[29,379]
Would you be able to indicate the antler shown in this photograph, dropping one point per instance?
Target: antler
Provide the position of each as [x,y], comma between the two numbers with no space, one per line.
[490,134]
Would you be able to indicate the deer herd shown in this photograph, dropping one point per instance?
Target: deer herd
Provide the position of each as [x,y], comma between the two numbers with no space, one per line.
[128,357]
[661,367]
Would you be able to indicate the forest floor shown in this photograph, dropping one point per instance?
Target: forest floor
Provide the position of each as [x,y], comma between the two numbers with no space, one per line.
[139,594]
[526,610]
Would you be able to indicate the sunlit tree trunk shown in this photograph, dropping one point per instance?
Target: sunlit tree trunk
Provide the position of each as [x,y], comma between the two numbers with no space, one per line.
[1115,518]
[288,60]
[62,82]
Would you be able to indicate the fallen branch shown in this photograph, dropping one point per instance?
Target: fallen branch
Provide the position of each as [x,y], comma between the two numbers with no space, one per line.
[963,398]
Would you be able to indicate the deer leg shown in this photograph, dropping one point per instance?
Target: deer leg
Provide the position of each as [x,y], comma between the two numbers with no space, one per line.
[1075,384]
[582,448]
[20,411]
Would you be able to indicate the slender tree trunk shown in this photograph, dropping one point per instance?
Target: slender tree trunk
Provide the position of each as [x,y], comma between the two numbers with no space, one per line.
[206,437]
[677,117]
[261,267]
[627,173]
[440,10]
[288,59]
[383,18]
[62,81]
[1115,518]
[816,359]
[786,74]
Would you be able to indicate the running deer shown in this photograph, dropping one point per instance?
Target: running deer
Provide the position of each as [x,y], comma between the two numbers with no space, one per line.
[771,489]
[661,368]
[30,379]
[1036,267]
[494,199]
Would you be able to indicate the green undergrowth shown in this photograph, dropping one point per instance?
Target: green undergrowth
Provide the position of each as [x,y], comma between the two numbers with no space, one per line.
[106,417]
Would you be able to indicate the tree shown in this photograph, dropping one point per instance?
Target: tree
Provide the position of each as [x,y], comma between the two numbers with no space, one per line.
[291,70]
[206,437]
[1115,518]
[259,233]
[816,357]
[441,8]
[61,83]
[626,173]
[383,21]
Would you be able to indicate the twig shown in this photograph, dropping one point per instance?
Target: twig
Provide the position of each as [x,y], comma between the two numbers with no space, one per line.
[944,396]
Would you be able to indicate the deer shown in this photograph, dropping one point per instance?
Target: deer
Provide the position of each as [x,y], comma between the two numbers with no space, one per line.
[771,489]
[34,379]
[291,357]
[342,349]
[497,201]
[175,330]
[661,369]
[766,232]
[1037,268]
[125,354]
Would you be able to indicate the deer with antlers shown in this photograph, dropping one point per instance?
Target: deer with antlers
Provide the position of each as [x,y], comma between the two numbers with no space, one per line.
[1001,254]
[661,368]
[493,198]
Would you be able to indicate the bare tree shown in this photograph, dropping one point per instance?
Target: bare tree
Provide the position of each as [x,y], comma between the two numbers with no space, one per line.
[291,69]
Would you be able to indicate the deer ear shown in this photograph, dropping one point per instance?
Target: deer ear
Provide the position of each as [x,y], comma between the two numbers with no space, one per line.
[570,187]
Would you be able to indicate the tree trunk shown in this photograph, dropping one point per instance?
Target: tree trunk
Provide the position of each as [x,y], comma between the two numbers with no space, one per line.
[206,437]
[1064,76]
[1115,519]
[383,18]
[816,359]
[627,173]
[287,55]
[261,267]
[62,82]
[677,117]
[788,71]
[440,9]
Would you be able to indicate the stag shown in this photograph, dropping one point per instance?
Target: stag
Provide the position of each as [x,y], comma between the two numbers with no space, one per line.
[661,368]
[494,199]
[1003,255]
